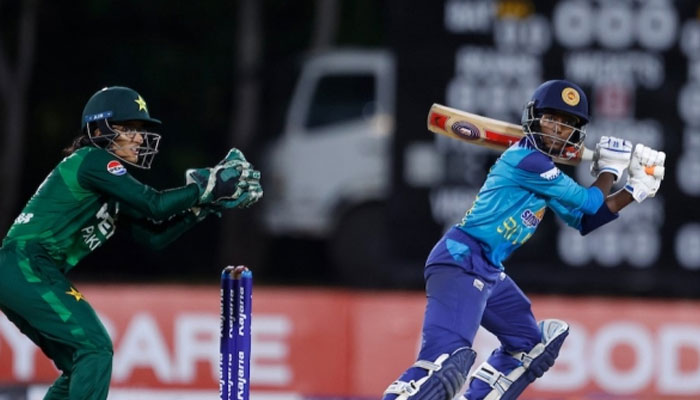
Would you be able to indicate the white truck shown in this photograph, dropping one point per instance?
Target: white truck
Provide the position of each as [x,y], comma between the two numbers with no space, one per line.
[328,176]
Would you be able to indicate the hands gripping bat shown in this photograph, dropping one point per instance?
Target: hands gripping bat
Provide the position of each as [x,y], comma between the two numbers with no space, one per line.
[495,134]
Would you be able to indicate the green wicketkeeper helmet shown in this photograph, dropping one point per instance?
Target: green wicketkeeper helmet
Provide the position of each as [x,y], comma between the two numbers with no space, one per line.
[115,104]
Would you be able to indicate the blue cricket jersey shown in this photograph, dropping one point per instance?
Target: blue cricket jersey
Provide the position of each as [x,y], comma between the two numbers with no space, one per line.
[520,186]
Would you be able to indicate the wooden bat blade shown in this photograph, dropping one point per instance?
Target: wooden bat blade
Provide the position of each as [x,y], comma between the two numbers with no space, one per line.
[496,134]
[482,131]
[473,128]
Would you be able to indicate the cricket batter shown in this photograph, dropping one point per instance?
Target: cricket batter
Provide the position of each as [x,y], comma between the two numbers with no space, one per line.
[77,208]
[466,283]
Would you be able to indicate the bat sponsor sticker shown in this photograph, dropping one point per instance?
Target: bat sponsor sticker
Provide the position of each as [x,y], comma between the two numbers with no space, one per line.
[439,120]
[499,138]
[114,167]
[466,130]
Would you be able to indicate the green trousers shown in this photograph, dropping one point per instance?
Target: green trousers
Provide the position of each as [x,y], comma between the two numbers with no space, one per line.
[36,296]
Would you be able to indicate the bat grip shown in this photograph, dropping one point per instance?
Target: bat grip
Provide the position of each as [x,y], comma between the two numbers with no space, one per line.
[656,171]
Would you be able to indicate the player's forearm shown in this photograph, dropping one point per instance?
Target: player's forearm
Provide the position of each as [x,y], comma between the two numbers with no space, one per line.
[591,222]
[619,200]
[607,212]
[120,185]
[160,205]
[146,202]
[605,183]
[158,236]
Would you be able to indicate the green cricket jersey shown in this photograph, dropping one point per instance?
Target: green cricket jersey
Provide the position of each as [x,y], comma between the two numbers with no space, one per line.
[75,209]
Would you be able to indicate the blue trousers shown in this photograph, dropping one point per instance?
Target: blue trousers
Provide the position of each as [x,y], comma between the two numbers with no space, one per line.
[464,290]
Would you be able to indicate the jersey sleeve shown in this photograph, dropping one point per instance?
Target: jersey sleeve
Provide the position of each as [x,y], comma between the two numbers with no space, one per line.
[595,221]
[585,223]
[103,173]
[157,235]
[537,173]
[571,217]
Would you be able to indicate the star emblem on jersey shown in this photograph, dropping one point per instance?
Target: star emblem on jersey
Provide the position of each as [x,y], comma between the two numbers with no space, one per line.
[142,104]
[73,292]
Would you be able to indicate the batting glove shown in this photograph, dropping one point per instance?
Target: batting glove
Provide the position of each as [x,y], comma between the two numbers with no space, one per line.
[611,155]
[640,183]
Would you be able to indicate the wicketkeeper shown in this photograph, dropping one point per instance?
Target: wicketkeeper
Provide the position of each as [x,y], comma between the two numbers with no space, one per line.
[466,283]
[77,208]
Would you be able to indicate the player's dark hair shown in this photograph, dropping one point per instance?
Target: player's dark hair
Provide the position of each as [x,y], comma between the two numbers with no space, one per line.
[79,141]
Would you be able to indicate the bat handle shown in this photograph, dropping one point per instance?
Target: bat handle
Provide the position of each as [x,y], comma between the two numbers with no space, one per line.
[656,171]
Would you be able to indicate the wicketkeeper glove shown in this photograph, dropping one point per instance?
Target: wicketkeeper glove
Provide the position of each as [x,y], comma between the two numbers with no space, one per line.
[253,193]
[231,183]
[250,181]
[202,212]
[611,155]
[215,183]
[640,183]
[233,157]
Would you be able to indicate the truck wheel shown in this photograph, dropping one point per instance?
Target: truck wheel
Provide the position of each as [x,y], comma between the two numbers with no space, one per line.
[359,249]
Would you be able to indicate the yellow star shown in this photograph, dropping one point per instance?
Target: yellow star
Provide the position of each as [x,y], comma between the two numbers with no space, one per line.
[75,294]
[142,103]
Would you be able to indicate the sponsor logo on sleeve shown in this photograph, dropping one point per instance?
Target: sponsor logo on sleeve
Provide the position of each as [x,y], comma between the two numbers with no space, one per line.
[551,174]
[114,167]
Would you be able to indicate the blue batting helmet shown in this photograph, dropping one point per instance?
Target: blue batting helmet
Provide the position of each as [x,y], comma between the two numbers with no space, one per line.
[562,96]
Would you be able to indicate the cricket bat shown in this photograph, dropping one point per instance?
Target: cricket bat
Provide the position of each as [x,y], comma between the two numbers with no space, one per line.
[496,134]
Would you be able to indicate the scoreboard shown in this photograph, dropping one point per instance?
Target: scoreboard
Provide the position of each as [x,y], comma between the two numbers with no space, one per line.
[639,63]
